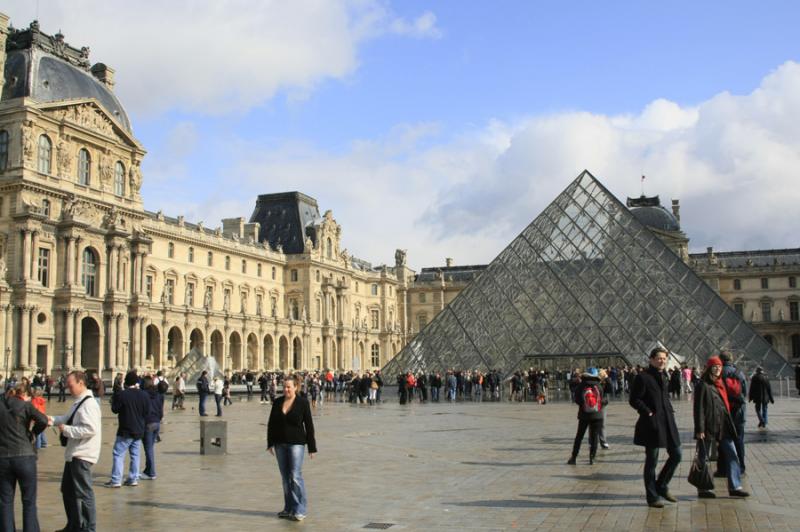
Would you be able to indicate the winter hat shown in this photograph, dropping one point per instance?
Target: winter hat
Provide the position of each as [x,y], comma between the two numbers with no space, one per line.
[713,361]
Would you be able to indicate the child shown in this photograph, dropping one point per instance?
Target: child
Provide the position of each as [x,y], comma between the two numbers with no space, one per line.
[39,403]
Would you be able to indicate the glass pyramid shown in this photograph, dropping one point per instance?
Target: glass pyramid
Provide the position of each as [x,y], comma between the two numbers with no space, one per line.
[584,279]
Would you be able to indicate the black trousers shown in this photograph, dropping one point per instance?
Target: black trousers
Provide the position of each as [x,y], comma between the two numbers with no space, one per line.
[22,470]
[76,490]
[594,435]
[656,486]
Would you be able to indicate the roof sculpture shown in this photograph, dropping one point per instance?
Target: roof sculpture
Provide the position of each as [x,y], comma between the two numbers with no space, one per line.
[586,276]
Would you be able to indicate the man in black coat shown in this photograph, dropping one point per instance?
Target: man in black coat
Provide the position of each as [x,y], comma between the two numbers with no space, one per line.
[202,391]
[761,395]
[132,407]
[656,428]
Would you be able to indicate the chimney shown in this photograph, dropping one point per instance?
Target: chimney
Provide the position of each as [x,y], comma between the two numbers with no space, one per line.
[233,227]
[676,210]
[3,36]
[448,262]
[251,231]
[104,73]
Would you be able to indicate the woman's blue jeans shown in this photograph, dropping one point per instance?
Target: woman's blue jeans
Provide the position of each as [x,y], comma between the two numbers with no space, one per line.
[290,462]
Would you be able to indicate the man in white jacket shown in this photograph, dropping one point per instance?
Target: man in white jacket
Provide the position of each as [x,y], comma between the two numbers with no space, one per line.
[81,426]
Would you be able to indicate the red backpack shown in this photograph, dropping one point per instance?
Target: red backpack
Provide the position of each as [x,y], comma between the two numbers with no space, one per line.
[591,400]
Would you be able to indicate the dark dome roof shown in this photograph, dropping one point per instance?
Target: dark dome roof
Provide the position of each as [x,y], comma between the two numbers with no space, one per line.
[656,217]
[37,74]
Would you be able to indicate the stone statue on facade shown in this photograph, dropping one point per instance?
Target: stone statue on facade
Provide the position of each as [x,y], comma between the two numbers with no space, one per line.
[106,172]
[63,158]
[27,144]
[135,178]
[400,258]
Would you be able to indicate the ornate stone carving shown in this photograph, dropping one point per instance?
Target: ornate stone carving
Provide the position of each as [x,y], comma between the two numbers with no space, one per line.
[113,218]
[135,178]
[106,172]
[63,158]
[85,115]
[26,144]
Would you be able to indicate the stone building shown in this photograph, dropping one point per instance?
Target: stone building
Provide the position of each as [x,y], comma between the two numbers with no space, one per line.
[90,279]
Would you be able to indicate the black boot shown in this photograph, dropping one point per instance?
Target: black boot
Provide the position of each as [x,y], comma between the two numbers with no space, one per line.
[591,459]
[571,460]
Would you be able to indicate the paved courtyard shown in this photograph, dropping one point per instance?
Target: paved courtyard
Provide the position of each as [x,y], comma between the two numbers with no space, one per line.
[490,466]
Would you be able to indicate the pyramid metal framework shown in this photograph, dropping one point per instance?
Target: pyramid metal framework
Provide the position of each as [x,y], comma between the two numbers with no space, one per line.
[585,277]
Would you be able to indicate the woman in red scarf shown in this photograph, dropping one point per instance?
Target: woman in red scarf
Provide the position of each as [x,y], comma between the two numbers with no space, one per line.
[713,425]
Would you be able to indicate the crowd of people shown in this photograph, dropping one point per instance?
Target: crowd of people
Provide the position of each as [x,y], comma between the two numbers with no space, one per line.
[720,393]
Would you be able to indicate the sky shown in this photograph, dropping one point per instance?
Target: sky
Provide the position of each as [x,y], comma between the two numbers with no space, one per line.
[444,128]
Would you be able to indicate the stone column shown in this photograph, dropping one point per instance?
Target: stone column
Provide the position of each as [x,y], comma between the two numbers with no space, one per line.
[113,361]
[69,278]
[7,340]
[77,344]
[24,335]
[69,336]
[76,279]
[142,342]
[34,255]
[113,285]
[26,254]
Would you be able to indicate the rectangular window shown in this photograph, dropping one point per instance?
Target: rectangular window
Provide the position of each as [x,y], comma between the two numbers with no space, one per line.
[227,262]
[422,297]
[737,284]
[792,282]
[258,269]
[244,266]
[273,307]
[766,311]
[739,309]
[764,283]
[190,294]
[794,311]
[259,302]
[148,287]
[170,291]
[191,254]
[375,319]
[210,259]
[44,266]
[294,276]
[374,290]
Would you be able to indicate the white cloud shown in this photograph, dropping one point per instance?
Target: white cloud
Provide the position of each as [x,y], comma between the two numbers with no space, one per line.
[731,160]
[219,57]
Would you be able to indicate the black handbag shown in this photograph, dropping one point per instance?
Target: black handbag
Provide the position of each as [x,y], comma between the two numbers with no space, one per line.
[63,439]
[699,473]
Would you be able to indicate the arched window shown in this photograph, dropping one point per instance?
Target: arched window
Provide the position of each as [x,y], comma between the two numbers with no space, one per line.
[3,150]
[273,273]
[227,262]
[89,273]
[191,254]
[330,249]
[210,259]
[170,250]
[84,167]
[45,154]
[119,179]
[376,356]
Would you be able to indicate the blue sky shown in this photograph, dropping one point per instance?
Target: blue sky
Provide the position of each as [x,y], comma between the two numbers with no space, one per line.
[456,121]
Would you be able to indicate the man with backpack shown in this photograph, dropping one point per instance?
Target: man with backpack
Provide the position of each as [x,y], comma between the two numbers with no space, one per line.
[736,387]
[590,400]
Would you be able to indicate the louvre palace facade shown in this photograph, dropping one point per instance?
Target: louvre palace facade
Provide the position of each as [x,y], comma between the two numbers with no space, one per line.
[90,279]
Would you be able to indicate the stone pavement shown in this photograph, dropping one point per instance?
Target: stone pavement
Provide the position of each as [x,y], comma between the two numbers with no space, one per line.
[467,466]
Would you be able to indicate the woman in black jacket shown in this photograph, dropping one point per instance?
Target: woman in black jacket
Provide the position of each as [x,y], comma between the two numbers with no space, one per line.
[18,457]
[289,430]
[761,395]
[713,425]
